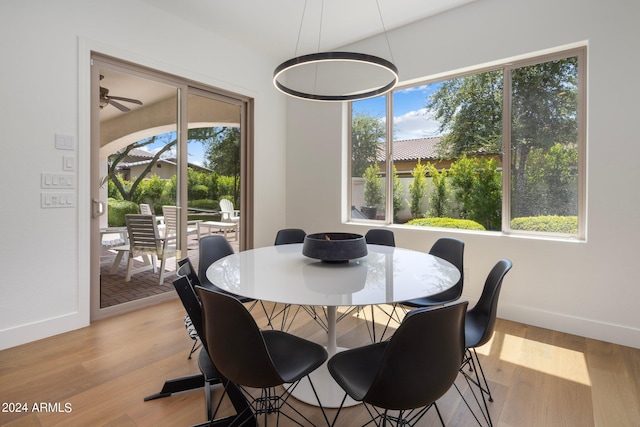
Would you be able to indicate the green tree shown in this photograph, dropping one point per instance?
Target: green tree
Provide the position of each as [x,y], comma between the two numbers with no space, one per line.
[223,156]
[398,193]
[552,181]
[462,174]
[477,187]
[469,110]
[417,189]
[543,112]
[367,134]
[439,199]
[373,195]
[205,135]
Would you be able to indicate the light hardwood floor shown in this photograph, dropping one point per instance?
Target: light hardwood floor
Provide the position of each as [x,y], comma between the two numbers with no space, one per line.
[102,373]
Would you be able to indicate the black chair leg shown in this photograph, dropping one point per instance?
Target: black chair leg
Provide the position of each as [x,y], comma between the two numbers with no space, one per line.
[473,362]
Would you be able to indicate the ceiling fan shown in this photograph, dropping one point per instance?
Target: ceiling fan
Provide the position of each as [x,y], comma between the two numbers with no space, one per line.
[106,99]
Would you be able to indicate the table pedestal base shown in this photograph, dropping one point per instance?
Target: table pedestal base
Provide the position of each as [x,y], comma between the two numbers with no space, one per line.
[329,392]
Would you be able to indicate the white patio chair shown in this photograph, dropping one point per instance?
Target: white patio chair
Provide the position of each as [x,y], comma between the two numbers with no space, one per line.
[170,214]
[145,241]
[229,214]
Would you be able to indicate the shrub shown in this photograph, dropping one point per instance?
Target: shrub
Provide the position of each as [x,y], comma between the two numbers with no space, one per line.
[118,209]
[199,191]
[464,224]
[417,189]
[548,224]
[373,195]
[204,204]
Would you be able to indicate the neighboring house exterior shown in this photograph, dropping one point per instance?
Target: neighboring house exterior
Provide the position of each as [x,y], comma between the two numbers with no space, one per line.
[134,164]
[407,152]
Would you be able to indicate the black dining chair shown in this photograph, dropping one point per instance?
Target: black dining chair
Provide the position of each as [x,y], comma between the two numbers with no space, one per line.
[399,380]
[383,237]
[210,375]
[251,358]
[380,236]
[452,250]
[212,248]
[479,328]
[449,249]
[287,236]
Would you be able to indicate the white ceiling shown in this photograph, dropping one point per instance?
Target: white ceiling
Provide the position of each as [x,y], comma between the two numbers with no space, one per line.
[272,26]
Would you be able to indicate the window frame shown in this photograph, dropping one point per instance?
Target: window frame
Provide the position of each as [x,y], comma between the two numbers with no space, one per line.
[506,66]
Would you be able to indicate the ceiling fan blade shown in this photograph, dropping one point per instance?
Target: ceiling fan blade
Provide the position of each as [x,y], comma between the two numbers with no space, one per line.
[119,98]
[119,106]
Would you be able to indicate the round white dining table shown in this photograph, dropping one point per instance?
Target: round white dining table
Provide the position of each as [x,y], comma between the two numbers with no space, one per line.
[282,274]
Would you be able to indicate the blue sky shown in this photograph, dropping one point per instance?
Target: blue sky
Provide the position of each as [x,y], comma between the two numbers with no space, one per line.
[411,119]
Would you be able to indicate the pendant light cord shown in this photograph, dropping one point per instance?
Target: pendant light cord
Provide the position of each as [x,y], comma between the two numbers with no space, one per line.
[384,30]
[304,10]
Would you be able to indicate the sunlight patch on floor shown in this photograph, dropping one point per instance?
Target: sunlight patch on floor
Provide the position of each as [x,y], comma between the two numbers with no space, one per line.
[549,359]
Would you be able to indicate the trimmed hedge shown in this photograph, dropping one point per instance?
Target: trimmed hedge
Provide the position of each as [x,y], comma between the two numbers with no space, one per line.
[465,224]
[118,209]
[548,224]
[209,204]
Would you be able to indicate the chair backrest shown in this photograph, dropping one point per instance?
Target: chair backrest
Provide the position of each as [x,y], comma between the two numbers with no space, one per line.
[226,205]
[170,214]
[191,304]
[236,346]
[212,248]
[485,311]
[287,236]
[185,269]
[145,209]
[143,234]
[380,236]
[451,250]
[421,360]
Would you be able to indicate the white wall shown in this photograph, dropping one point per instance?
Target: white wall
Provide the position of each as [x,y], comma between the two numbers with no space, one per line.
[44,89]
[587,288]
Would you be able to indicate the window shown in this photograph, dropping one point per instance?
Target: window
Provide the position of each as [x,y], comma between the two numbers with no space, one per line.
[501,149]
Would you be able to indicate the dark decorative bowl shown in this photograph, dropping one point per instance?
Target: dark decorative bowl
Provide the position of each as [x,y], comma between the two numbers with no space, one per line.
[334,247]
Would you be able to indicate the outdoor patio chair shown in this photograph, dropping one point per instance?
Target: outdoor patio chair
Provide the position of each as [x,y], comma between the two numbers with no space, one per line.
[229,214]
[171,214]
[145,241]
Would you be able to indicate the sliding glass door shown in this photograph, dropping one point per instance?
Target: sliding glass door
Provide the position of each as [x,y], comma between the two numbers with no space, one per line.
[166,147]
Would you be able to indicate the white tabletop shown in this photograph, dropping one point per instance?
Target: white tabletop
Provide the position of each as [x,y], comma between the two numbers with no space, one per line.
[282,274]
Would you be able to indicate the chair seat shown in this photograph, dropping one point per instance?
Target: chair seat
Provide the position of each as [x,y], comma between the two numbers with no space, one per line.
[206,367]
[426,302]
[355,369]
[293,356]
[475,328]
[213,287]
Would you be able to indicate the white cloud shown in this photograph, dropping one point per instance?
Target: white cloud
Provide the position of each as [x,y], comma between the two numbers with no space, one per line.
[415,124]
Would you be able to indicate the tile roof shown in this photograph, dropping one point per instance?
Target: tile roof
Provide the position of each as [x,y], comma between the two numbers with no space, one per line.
[413,149]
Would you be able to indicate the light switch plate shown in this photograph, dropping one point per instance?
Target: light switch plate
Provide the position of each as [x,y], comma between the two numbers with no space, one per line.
[61,181]
[57,200]
[68,163]
[65,142]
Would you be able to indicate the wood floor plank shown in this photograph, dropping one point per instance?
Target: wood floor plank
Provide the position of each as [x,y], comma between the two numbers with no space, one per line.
[538,377]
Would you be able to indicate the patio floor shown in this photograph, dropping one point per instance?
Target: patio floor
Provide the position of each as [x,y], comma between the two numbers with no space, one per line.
[114,290]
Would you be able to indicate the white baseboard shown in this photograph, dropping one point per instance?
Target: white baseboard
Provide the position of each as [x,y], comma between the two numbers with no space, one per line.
[589,328]
[44,328]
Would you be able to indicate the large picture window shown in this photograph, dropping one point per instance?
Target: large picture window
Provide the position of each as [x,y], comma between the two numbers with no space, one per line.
[500,149]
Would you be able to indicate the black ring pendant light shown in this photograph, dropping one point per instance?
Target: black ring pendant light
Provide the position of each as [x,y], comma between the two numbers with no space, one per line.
[372,84]
[345,57]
